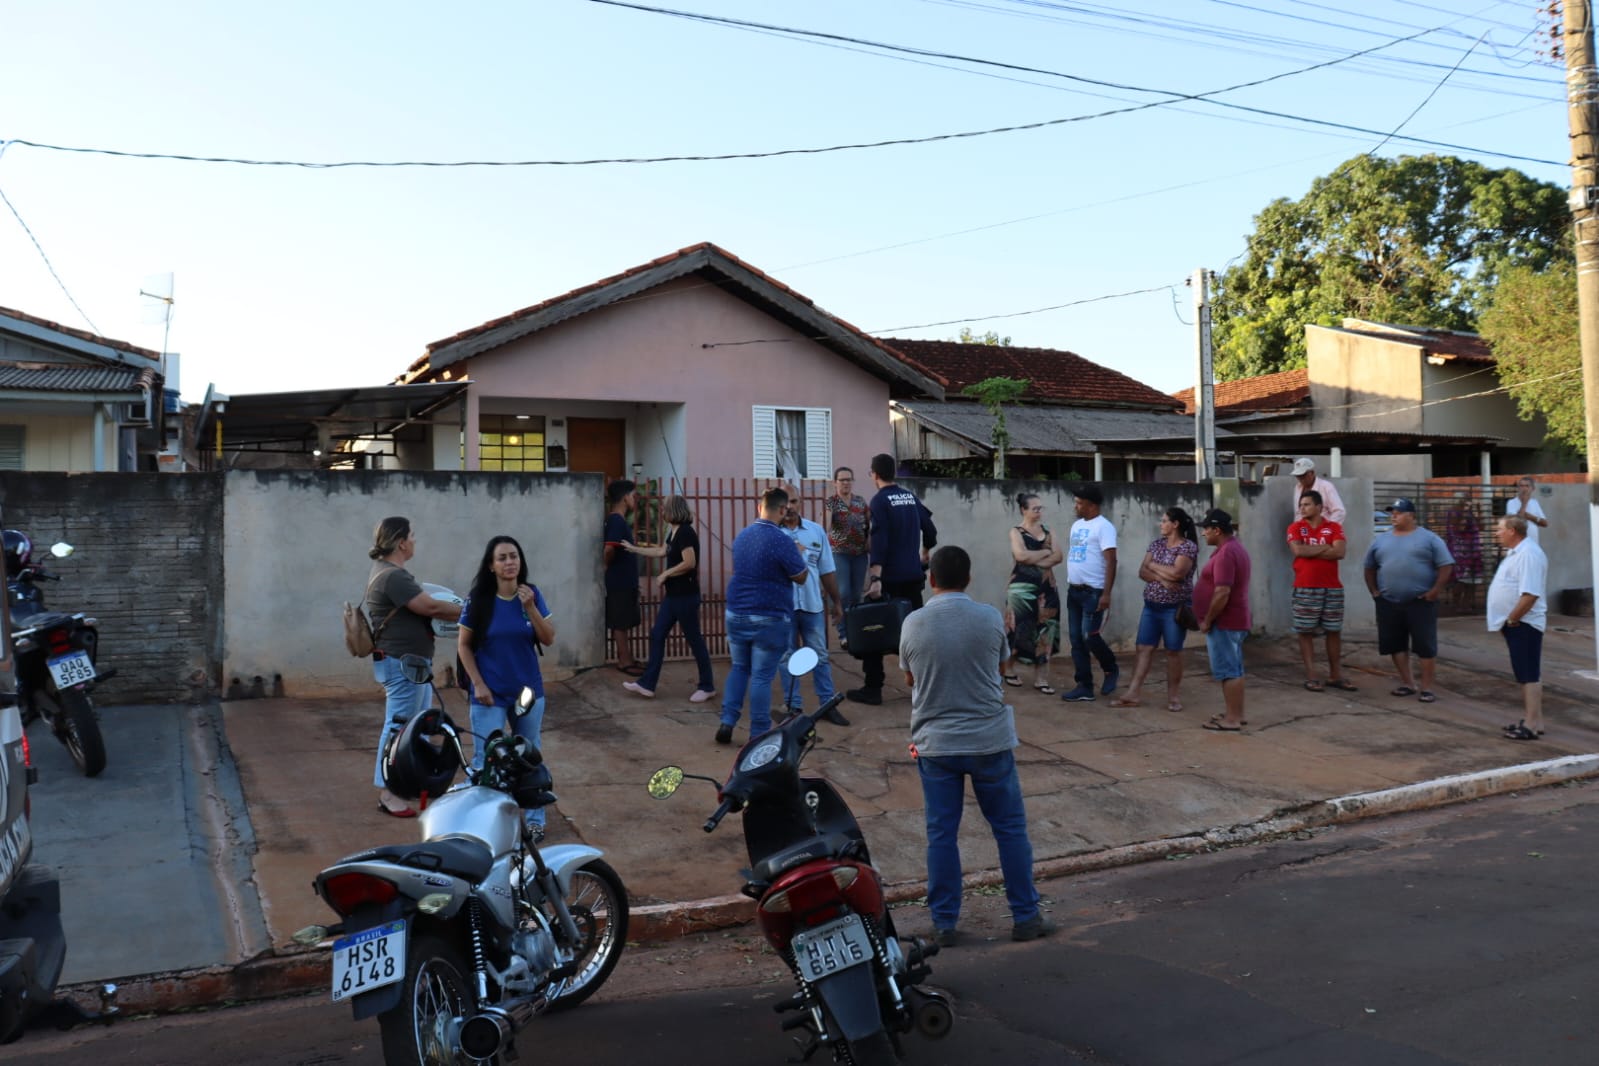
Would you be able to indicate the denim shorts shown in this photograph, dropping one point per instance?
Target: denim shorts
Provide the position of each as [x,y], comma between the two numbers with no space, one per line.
[1159,622]
[1226,647]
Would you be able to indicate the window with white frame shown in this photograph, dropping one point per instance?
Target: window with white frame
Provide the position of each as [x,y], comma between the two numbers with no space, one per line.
[793,442]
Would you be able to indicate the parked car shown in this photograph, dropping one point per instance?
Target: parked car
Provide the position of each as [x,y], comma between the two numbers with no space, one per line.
[1382,522]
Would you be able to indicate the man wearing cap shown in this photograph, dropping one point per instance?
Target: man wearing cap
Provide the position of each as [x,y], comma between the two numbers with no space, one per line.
[1331,506]
[1090,576]
[1407,570]
[1318,544]
[1221,600]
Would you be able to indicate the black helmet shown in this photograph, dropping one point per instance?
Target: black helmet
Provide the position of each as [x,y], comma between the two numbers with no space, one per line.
[19,550]
[422,757]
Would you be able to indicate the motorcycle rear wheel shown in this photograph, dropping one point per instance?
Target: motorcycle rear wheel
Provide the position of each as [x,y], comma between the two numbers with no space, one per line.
[598,903]
[418,1032]
[79,729]
[874,1050]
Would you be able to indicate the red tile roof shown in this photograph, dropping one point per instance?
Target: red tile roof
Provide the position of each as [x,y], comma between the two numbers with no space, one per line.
[1445,343]
[80,334]
[1054,376]
[1268,392]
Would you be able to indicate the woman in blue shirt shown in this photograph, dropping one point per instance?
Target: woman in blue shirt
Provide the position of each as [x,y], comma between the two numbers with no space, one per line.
[502,622]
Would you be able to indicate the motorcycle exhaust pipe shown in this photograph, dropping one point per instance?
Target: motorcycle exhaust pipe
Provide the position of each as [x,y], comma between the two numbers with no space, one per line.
[930,1012]
[486,1034]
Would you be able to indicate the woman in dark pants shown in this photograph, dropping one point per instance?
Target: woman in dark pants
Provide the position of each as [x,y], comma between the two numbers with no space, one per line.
[680,601]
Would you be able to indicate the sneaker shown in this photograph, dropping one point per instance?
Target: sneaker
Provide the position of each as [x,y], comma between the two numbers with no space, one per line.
[1110,683]
[873,696]
[724,734]
[638,689]
[1032,929]
[700,694]
[946,938]
[1080,694]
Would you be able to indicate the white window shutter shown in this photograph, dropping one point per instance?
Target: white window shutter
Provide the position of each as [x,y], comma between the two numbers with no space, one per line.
[11,447]
[764,424]
[819,442]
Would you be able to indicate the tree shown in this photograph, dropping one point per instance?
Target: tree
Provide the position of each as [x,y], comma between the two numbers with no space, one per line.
[1417,240]
[993,393]
[968,337]
[1532,324]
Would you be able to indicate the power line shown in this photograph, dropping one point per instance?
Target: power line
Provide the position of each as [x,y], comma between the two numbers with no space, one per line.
[40,249]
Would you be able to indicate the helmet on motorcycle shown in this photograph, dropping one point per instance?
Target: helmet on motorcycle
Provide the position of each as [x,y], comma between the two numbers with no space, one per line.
[18,551]
[421,757]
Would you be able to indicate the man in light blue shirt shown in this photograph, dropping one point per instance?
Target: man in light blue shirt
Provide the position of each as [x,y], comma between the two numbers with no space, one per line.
[812,601]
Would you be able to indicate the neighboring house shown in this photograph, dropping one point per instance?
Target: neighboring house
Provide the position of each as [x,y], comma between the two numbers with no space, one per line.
[74,401]
[694,364]
[1076,417]
[1393,403]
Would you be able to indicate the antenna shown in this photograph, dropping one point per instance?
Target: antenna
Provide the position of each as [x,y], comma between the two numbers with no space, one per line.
[156,292]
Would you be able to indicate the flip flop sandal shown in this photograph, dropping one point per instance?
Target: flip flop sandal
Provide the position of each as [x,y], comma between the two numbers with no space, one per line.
[1343,684]
[1215,725]
[1125,703]
[1013,680]
[1521,732]
[1174,706]
[404,812]
[1314,686]
[1522,724]
[1403,690]
[632,671]
[1427,697]
[1045,689]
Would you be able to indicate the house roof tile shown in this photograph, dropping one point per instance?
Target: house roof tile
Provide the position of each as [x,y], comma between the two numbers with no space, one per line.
[1054,376]
[1268,392]
[79,334]
[55,377]
[1443,343]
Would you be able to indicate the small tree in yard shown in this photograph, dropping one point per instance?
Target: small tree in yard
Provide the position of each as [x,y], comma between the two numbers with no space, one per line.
[994,393]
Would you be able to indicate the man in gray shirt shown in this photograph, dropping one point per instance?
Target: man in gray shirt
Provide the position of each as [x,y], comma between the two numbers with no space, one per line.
[1406,570]
[953,651]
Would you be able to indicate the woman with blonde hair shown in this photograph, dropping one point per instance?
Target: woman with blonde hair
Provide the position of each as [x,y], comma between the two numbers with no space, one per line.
[680,601]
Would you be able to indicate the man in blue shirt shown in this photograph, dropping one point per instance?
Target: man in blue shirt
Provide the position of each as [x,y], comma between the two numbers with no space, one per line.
[760,615]
[810,610]
[902,535]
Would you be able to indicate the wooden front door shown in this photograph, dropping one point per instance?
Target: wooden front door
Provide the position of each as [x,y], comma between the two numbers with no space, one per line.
[596,445]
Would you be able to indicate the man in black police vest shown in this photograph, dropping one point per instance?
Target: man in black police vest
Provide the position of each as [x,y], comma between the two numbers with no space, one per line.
[903,535]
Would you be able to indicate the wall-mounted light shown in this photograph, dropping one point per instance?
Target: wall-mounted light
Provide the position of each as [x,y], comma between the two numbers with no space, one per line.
[638,472]
[523,418]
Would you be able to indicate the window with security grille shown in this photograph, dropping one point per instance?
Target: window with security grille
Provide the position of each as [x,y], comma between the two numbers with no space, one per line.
[510,443]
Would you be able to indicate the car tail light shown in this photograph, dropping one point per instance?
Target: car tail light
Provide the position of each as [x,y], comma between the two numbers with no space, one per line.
[346,892]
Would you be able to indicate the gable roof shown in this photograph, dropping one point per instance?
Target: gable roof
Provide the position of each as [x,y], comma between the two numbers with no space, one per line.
[1438,345]
[80,342]
[1056,429]
[1267,392]
[1053,376]
[714,266]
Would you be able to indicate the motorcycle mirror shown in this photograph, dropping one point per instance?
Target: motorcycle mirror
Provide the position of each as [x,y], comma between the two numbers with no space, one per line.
[61,549]
[665,781]
[524,702]
[803,662]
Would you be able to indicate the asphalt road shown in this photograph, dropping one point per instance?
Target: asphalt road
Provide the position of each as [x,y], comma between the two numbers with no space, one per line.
[1458,936]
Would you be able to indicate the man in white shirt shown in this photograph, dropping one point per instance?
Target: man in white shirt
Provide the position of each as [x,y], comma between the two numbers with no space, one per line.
[1090,576]
[1523,504]
[1332,507]
[1517,609]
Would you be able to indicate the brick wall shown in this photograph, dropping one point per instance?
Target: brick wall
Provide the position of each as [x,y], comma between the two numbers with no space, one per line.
[148,565]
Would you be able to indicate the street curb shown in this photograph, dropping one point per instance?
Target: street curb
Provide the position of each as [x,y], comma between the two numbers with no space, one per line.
[271,976]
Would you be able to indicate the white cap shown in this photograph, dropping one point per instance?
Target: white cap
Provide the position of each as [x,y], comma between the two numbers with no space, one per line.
[1303,466]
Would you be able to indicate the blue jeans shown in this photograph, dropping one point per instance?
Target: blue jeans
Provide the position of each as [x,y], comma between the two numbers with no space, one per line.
[486,720]
[684,612]
[401,699]
[811,628]
[1083,619]
[851,578]
[756,643]
[999,797]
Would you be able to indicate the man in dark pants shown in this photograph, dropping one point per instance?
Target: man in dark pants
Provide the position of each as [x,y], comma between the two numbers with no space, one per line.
[902,536]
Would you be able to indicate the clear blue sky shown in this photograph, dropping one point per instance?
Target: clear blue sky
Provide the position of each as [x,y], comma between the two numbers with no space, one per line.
[294,278]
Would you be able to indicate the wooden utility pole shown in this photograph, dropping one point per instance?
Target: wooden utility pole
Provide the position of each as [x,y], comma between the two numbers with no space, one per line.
[1582,109]
[1205,383]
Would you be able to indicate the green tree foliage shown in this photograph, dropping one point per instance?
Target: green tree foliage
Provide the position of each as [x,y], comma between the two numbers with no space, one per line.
[1417,240]
[994,393]
[1532,324]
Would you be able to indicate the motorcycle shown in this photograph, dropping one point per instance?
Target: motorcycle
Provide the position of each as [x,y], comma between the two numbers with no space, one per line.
[820,901]
[55,657]
[457,942]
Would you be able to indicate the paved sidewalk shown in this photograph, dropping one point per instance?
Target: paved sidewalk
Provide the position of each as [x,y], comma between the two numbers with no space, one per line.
[1096,778]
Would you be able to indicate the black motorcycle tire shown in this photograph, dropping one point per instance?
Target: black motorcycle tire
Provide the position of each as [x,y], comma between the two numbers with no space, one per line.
[598,903]
[437,988]
[79,729]
[874,1050]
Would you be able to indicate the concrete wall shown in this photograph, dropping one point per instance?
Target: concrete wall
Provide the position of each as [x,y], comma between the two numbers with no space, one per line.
[64,442]
[296,544]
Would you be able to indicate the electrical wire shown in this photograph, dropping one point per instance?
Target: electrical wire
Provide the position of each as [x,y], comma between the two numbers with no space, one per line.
[40,249]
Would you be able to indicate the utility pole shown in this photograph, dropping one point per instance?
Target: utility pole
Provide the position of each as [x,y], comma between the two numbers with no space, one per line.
[1582,109]
[1205,385]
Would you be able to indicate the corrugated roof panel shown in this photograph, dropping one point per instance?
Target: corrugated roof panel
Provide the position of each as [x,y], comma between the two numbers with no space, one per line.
[67,378]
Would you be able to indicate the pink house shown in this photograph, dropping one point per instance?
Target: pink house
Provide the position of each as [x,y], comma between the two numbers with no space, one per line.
[696,364]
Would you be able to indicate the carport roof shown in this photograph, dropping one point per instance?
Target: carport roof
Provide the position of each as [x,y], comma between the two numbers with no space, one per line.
[295,421]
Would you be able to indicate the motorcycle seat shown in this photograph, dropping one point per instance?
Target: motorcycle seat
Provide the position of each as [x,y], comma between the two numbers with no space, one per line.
[824,846]
[450,855]
[40,620]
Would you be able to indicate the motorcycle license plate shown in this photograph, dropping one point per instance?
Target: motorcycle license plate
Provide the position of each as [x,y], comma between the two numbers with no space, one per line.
[369,959]
[829,948]
[72,669]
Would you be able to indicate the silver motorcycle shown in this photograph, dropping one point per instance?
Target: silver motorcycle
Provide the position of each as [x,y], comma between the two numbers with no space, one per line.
[457,942]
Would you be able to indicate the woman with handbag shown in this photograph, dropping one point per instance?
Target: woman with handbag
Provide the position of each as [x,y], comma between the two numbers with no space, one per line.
[1168,573]
[1032,600]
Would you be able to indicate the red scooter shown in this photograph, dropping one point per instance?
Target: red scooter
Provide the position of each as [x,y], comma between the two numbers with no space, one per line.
[820,899]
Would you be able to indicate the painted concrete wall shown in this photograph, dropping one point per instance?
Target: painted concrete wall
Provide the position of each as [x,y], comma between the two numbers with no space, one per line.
[295,545]
[64,442]
[651,351]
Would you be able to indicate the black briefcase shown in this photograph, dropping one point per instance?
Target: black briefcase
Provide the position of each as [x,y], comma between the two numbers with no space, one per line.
[872,626]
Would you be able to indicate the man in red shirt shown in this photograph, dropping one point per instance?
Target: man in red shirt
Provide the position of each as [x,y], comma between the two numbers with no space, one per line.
[1318,544]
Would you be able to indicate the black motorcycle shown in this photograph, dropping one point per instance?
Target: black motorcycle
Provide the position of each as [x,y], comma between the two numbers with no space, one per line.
[55,657]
